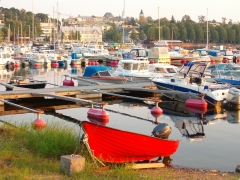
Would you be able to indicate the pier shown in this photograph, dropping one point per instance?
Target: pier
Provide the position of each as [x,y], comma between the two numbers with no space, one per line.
[81,92]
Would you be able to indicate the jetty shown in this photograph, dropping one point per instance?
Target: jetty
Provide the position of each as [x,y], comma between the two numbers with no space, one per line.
[82,92]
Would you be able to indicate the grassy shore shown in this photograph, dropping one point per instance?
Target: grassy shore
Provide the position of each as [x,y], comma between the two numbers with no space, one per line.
[26,153]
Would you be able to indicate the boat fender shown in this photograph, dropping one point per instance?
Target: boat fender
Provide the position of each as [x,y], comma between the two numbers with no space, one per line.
[162,130]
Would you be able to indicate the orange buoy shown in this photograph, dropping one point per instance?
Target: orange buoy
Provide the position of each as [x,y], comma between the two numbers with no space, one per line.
[39,123]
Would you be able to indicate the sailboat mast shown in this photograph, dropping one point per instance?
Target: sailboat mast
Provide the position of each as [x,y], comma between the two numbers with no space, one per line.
[32,23]
[159,37]
[123,15]
[207,28]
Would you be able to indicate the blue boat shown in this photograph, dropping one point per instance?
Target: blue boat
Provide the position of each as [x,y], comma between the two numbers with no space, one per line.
[229,80]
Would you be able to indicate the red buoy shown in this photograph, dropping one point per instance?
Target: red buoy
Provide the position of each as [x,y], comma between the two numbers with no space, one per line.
[151,62]
[54,64]
[36,65]
[67,82]
[39,123]
[74,63]
[212,61]
[225,60]
[96,63]
[100,115]
[183,61]
[16,65]
[197,103]
[238,60]
[156,111]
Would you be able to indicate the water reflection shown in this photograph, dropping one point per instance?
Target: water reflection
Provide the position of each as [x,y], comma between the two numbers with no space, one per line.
[218,126]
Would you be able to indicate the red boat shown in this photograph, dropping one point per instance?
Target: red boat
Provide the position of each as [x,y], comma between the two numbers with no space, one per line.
[113,145]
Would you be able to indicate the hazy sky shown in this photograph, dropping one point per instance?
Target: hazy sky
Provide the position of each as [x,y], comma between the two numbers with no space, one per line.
[215,9]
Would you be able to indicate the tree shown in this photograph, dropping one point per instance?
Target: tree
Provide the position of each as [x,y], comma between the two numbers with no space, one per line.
[186,18]
[141,35]
[117,36]
[4,31]
[149,19]
[133,35]
[232,36]
[182,31]
[172,20]
[199,33]
[151,33]
[132,21]
[166,32]
[201,19]
[191,35]
[42,17]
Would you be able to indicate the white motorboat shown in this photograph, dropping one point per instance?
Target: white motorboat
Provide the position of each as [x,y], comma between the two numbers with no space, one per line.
[166,70]
[135,70]
[190,82]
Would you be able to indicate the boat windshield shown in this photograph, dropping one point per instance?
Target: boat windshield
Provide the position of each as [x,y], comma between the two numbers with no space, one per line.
[171,70]
[160,70]
[104,73]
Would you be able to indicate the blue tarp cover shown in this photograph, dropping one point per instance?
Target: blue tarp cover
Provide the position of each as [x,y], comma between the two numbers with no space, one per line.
[91,70]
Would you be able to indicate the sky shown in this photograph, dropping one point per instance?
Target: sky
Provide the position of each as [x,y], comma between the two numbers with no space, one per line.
[211,9]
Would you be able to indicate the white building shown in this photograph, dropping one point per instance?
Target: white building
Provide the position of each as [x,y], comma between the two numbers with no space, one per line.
[88,34]
[47,29]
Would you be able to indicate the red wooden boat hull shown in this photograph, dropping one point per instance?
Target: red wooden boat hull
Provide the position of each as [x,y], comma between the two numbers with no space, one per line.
[113,145]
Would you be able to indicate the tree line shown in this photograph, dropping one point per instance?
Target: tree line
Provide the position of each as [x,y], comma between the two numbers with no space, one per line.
[185,30]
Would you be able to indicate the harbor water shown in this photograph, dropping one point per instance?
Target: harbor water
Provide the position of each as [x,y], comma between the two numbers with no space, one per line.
[208,141]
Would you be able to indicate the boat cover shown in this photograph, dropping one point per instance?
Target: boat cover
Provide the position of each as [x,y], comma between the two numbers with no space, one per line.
[91,70]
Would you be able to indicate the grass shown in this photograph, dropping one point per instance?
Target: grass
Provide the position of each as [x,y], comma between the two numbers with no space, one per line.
[26,153]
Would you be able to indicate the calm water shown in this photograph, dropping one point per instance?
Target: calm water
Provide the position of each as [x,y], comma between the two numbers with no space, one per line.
[218,149]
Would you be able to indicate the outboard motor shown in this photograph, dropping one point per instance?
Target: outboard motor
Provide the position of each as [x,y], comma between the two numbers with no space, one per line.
[162,130]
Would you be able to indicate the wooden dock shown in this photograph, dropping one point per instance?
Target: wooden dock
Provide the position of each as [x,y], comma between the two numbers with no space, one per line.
[84,92]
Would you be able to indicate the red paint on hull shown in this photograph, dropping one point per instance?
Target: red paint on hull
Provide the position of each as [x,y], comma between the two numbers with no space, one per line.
[118,146]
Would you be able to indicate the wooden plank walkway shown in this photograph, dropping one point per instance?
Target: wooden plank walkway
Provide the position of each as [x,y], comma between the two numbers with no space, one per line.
[78,91]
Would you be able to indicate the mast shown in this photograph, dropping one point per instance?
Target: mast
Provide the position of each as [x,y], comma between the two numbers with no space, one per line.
[32,23]
[57,21]
[207,30]
[159,37]
[123,15]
